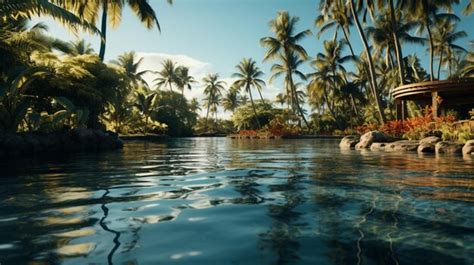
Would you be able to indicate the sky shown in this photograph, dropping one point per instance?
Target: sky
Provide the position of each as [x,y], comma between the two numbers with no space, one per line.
[214,36]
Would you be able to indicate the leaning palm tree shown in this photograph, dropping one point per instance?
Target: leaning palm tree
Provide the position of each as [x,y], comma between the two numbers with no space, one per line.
[167,75]
[370,61]
[213,88]
[183,79]
[335,16]
[285,47]
[129,62]
[444,36]
[248,75]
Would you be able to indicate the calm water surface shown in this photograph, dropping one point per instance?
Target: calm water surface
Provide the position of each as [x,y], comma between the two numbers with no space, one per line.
[221,201]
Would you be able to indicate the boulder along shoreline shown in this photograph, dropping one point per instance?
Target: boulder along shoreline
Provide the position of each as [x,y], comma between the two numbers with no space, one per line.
[378,141]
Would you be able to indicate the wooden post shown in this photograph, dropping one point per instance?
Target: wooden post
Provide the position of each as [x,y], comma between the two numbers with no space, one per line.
[399,110]
[434,104]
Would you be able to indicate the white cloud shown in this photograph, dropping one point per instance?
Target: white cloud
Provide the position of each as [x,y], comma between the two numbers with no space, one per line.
[152,61]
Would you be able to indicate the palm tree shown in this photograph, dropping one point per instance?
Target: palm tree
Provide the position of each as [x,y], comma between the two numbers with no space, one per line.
[382,35]
[248,75]
[426,13]
[183,79]
[469,8]
[281,99]
[167,75]
[363,37]
[12,11]
[231,100]
[128,61]
[444,36]
[285,48]
[334,15]
[330,71]
[145,104]
[112,14]
[243,99]
[213,88]
[81,47]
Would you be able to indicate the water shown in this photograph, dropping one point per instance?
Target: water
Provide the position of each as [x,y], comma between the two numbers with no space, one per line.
[221,201]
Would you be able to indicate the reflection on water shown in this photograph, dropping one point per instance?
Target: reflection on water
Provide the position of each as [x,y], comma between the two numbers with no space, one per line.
[220,201]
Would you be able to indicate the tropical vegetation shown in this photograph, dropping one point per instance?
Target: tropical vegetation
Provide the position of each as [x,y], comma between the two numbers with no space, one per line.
[49,84]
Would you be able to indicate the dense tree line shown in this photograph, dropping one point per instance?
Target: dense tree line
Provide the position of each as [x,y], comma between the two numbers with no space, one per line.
[48,84]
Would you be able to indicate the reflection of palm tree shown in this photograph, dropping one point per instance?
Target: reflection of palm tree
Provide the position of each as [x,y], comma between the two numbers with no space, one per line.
[106,228]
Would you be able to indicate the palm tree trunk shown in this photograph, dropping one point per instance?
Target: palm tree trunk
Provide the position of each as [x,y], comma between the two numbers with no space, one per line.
[370,61]
[346,37]
[396,41]
[207,116]
[103,32]
[296,100]
[253,105]
[430,37]
[440,63]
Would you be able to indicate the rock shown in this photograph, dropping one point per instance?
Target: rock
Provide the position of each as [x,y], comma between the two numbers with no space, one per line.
[430,140]
[367,139]
[448,148]
[468,148]
[378,146]
[402,146]
[349,142]
[426,148]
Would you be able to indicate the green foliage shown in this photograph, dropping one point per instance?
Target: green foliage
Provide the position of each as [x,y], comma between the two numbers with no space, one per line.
[174,110]
[244,117]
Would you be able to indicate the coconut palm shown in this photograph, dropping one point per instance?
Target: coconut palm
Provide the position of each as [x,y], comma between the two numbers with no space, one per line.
[426,13]
[131,64]
[213,88]
[285,47]
[330,72]
[444,36]
[281,99]
[371,65]
[231,100]
[167,75]
[183,79]
[248,75]
[145,104]
[14,10]
[382,35]
[335,16]
[81,47]
[112,14]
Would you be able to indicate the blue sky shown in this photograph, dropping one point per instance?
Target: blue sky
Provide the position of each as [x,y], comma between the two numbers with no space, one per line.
[214,35]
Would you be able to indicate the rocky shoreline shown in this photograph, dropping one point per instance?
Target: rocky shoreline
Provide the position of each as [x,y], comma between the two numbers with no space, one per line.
[378,141]
[14,145]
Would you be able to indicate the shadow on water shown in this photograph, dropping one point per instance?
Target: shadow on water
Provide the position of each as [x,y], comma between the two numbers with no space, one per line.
[217,201]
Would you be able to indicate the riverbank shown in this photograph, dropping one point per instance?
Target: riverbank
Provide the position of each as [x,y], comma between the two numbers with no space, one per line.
[14,145]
